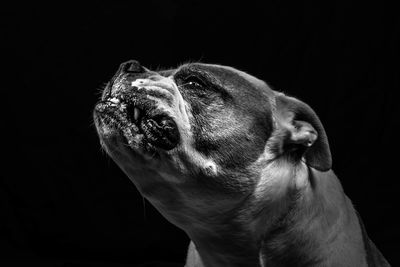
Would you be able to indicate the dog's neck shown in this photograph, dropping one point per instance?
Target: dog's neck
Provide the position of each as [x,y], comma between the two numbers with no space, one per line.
[298,232]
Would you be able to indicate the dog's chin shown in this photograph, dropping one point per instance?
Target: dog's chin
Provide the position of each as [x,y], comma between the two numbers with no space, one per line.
[137,124]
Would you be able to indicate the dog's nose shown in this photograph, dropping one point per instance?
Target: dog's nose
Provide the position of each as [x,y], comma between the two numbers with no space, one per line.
[132,66]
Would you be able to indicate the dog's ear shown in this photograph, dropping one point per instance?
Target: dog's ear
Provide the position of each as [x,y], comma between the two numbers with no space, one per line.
[303,131]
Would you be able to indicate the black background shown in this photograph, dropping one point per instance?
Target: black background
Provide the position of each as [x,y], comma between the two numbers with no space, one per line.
[63,202]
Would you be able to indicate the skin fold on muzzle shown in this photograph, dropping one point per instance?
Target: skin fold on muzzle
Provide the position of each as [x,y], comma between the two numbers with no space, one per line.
[244,170]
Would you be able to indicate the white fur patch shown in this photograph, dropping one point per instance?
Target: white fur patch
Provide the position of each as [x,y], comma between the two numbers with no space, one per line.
[139,82]
[114,100]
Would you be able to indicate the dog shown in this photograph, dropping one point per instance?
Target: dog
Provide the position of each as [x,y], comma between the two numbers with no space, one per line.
[243,169]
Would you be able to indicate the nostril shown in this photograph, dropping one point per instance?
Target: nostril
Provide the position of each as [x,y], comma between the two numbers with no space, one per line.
[133,66]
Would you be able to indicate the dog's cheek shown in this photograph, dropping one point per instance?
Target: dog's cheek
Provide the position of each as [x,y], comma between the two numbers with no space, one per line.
[232,152]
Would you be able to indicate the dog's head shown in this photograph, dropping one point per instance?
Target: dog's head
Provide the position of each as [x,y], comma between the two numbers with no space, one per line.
[197,140]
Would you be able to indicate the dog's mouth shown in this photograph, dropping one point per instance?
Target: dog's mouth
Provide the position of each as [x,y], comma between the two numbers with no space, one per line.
[140,122]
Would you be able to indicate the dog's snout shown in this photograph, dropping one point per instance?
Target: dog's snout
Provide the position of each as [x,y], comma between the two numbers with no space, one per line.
[132,66]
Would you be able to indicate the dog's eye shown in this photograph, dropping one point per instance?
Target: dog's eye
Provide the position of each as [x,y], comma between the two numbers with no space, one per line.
[193,82]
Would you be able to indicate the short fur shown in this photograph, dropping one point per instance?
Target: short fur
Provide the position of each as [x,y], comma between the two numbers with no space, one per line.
[249,178]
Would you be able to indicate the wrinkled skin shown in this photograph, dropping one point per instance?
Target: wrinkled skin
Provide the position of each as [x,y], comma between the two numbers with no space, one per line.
[221,137]
[242,169]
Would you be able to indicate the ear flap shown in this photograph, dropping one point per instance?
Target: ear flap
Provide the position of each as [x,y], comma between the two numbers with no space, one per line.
[304,129]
